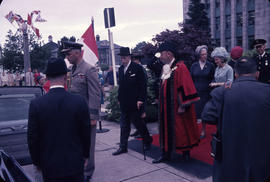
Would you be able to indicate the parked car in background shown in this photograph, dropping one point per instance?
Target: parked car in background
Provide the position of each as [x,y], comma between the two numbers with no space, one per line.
[14,105]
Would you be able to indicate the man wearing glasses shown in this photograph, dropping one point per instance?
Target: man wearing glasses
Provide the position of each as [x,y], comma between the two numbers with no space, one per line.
[263,60]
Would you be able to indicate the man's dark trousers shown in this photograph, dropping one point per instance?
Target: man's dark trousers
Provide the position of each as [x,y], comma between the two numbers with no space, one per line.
[73,178]
[126,118]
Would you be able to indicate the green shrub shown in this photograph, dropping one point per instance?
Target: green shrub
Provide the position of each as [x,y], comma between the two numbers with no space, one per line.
[104,67]
[113,108]
[151,113]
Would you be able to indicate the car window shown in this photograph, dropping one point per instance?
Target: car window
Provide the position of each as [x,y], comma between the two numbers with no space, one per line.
[14,106]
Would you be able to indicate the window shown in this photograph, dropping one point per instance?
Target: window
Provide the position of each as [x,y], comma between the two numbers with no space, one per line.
[217,42]
[251,18]
[250,41]
[217,23]
[228,21]
[239,41]
[217,3]
[228,44]
[239,19]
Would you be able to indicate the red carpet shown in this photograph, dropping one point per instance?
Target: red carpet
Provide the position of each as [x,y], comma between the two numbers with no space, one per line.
[202,151]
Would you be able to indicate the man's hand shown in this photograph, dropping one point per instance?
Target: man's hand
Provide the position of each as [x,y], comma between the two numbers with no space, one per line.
[181,110]
[93,122]
[139,103]
[85,162]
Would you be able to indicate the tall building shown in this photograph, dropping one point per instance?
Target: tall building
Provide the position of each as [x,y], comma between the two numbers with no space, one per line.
[104,52]
[237,22]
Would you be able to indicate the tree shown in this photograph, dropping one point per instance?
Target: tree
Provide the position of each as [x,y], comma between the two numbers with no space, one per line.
[13,52]
[139,47]
[197,15]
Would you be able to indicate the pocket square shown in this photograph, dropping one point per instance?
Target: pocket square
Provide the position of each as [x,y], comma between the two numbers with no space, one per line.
[132,75]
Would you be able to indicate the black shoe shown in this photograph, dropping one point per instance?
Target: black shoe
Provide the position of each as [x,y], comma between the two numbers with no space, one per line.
[136,133]
[161,159]
[120,151]
[185,156]
[87,178]
[138,136]
[147,146]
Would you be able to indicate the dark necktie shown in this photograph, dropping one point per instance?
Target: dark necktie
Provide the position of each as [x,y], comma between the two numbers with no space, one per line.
[74,68]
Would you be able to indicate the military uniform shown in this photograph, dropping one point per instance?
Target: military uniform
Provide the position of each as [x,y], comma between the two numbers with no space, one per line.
[84,81]
[263,65]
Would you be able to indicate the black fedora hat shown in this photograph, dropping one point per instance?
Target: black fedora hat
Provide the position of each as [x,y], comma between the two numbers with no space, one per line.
[69,45]
[124,51]
[56,67]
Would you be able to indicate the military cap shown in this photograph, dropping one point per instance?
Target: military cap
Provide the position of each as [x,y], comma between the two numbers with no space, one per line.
[258,42]
[56,67]
[167,46]
[69,45]
[124,51]
[245,65]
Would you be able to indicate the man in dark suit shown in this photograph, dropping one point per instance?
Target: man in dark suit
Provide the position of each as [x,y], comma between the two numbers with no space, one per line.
[242,114]
[59,129]
[131,96]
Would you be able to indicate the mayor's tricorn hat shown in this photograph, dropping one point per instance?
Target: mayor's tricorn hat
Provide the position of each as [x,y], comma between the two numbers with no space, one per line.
[168,46]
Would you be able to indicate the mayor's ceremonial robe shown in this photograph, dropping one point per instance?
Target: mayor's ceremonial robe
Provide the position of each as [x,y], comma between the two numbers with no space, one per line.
[178,131]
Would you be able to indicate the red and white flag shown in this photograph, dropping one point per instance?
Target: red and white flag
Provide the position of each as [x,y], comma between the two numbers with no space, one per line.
[90,50]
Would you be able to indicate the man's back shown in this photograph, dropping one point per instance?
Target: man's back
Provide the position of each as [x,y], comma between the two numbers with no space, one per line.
[245,132]
[59,132]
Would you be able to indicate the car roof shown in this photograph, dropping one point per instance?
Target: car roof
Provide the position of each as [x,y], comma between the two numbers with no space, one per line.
[21,90]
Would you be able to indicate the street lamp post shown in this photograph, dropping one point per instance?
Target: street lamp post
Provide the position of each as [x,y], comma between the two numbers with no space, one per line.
[27,63]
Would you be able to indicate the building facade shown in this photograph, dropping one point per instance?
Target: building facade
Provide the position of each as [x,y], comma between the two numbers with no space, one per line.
[104,52]
[237,22]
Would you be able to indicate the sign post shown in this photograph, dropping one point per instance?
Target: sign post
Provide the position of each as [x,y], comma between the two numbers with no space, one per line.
[110,22]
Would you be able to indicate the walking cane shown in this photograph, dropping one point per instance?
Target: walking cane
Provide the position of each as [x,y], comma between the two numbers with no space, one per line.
[144,157]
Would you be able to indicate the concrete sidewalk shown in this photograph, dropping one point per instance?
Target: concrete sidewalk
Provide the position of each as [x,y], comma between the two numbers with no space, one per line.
[131,166]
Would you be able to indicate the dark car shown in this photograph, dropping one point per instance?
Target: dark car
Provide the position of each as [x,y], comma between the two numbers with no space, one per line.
[14,105]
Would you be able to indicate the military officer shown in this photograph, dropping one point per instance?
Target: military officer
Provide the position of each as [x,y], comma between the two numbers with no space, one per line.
[84,81]
[263,60]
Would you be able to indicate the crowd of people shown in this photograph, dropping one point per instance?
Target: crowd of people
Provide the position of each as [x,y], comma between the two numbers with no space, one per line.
[7,78]
[232,95]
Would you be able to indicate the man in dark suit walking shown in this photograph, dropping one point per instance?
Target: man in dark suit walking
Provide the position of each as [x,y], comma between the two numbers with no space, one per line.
[131,96]
[59,129]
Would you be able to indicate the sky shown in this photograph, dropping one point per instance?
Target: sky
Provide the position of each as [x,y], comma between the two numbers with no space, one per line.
[136,20]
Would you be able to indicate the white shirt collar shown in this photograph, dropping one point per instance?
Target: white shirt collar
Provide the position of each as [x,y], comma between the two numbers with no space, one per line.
[202,64]
[262,54]
[125,68]
[56,86]
[170,64]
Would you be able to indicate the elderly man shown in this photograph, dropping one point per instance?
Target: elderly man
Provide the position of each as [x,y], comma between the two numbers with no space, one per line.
[242,113]
[263,60]
[85,82]
[59,129]
[131,96]
[178,126]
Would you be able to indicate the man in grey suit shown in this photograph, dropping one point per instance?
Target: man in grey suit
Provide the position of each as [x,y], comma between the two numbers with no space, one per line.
[84,81]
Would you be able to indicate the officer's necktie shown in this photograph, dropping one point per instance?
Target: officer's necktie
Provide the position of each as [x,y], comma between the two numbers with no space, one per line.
[74,68]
